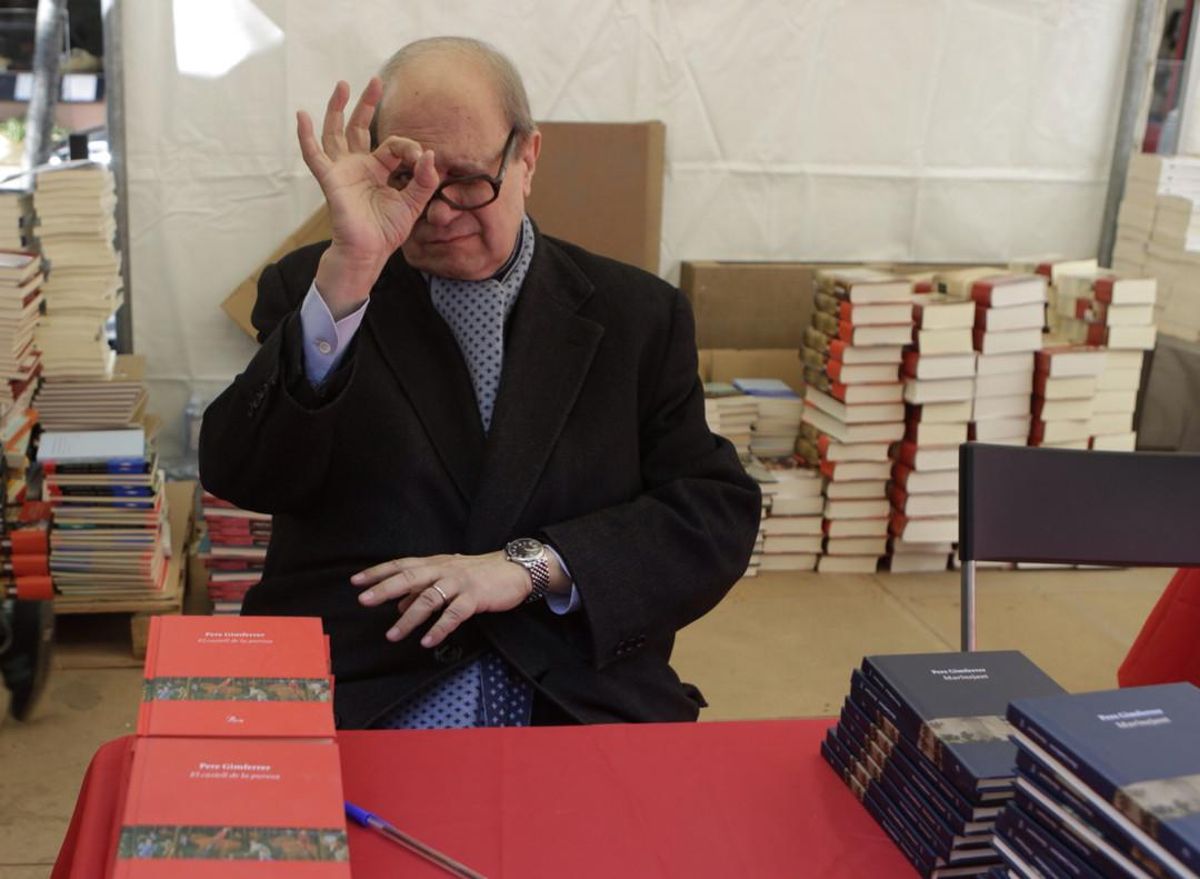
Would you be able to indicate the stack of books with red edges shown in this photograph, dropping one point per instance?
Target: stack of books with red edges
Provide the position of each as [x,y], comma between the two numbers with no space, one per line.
[776,419]
[1008,329]
[235,759]
[76,226]
[792,506]
[24,549]
[922,741]
[1054,269]
[730,414]
[233,549]
[110,538]
[854,407]
[1106,784]
[939,384]
[1099,308]
[1064,395]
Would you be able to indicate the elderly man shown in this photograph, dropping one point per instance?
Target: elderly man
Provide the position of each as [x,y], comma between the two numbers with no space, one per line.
[484,449]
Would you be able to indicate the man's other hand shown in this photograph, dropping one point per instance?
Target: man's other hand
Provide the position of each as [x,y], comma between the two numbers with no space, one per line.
[456,586]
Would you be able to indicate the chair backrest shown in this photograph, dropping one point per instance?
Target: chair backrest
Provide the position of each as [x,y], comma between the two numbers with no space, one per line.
[1073,506]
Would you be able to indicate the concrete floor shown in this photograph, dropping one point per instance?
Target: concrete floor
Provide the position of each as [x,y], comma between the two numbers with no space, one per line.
[780,645]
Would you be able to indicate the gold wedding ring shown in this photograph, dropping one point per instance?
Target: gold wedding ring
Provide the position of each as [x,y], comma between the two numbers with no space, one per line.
[445,597]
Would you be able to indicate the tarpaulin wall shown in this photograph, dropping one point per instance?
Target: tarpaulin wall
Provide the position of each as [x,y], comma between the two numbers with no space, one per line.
[809,129]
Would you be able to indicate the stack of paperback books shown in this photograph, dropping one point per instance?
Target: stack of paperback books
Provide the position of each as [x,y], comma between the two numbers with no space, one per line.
[922,741]
[776,419]
[110,538]
[1106,785]
[1158,236]
[16,216]
[854,407]
[791,524]
[76,226]
[1009,312]
[1064,395]
[20,360]
[67,403]
[1102,309]
[730,414]
[234,760]
[939,384]
[234,549]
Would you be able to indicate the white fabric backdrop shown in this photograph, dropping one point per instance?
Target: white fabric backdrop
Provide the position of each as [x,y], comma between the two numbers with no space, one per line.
[796,129]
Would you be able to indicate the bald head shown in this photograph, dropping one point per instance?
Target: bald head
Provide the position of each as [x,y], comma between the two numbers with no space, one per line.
[452,63]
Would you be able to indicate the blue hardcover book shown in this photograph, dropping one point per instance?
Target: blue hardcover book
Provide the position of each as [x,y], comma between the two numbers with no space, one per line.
[1134,754]
[952,707]
[765,387]
[979,806]
[1038,846]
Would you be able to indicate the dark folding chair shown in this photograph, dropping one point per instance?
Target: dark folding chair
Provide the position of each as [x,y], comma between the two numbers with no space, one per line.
[1019,504]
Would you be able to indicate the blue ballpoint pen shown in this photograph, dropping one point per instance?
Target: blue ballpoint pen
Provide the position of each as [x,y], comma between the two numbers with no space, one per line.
[372,821]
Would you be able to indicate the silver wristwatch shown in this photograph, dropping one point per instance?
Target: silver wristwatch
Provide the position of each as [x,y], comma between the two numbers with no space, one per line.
[533,556]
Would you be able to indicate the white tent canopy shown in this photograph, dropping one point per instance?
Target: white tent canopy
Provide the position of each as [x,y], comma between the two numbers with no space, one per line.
[797,129]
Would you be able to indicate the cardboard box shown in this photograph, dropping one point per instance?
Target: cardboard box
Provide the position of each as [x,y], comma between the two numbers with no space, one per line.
[749,304]
[600,185]
[240,303]
[726,364]
[597,184]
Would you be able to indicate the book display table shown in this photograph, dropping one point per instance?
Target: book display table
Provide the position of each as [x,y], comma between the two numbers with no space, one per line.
[656,800]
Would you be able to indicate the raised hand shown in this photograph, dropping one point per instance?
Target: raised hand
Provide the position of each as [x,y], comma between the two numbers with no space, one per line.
[370,218]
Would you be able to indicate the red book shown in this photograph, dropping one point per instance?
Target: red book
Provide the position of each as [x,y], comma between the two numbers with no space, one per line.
[199,808]
[237,676]
[1001,290]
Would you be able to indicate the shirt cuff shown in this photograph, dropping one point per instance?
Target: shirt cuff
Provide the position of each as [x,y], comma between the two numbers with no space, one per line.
[325,340]
[563,604]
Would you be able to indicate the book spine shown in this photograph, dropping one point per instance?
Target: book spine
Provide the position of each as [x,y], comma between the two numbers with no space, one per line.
[936,832]
[1075,843]
[1039,846]
[1102,289]
[870,700]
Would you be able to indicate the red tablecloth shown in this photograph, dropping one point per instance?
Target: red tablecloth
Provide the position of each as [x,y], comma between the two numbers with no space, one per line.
[658,800]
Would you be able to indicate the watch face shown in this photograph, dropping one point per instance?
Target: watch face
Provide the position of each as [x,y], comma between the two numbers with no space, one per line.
[525,549]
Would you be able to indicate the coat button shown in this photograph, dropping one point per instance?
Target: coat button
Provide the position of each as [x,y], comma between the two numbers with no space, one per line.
[447,654]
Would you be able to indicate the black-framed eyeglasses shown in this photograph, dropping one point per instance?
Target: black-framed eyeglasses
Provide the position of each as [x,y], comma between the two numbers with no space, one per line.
[469,193]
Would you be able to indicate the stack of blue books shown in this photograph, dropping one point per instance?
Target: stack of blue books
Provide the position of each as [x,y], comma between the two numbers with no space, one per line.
[1108,785]
[923,742]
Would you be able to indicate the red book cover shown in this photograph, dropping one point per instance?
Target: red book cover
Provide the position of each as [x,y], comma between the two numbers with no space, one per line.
[897,496]
[236,676]
[1102,288]
[1045,269]
[833,368]
[198,808]
[837,349]
[900,473]
[906,454]
[923,287]
[1097,334]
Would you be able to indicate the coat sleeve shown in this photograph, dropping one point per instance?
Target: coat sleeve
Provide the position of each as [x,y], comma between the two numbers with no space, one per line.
[649,567]
[249,453]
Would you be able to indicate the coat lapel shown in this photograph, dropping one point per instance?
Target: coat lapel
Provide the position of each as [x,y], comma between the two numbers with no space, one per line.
[546,359]
[419,348]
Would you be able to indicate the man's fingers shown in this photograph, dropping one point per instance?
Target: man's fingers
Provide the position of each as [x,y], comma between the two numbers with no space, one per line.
[333,137]
[313,155]
[424,606]
[404,582]
[358,131]
[460,609]
[383,570]
[423,184]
